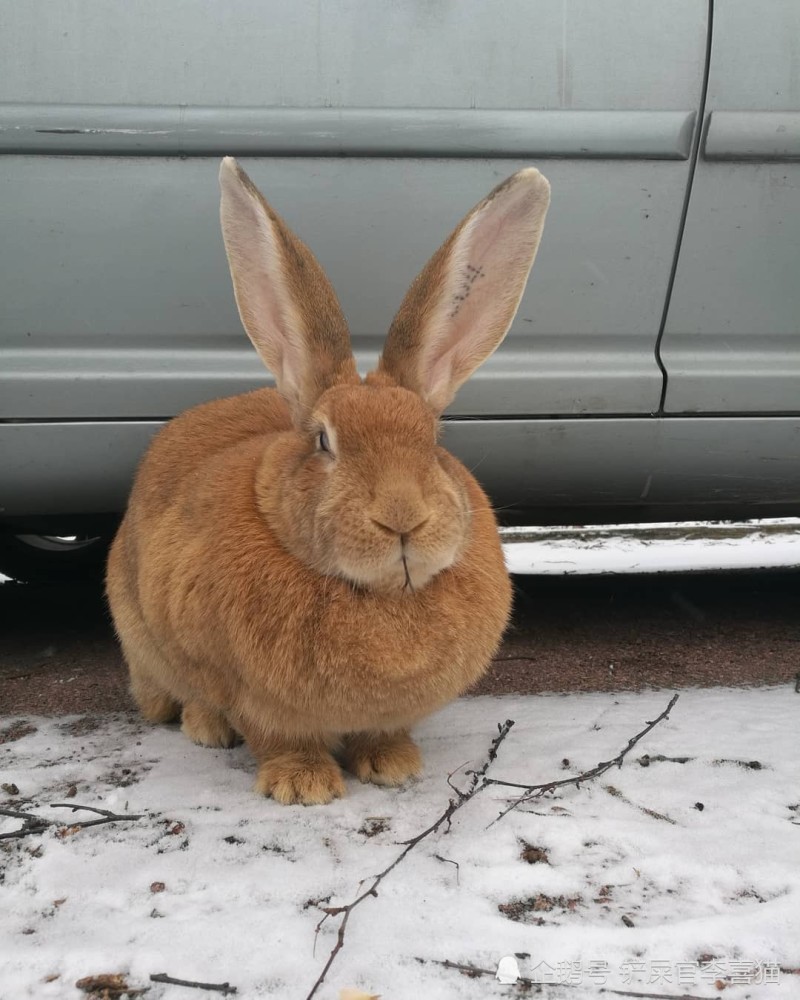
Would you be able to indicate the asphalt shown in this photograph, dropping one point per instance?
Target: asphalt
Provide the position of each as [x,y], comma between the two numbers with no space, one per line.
[58,654]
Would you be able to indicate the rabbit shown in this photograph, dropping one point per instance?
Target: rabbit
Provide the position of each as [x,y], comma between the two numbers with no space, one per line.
[306,567]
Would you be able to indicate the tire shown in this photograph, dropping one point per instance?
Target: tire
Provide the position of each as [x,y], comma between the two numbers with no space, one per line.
[53,558]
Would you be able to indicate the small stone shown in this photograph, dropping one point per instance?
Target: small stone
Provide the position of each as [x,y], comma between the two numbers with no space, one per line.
[157,887]
[10,788]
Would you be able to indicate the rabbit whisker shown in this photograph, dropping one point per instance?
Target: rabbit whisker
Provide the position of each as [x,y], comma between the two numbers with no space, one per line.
[408,585]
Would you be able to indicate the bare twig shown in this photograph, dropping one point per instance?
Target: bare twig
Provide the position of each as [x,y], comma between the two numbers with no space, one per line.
[455,788]
[91,809]
[30,824]
[224,988]
[16,814]
[491,756]
[38,824]
[617,794]
[449,861]
[475,972]
[477,785]
[658,758]
[536,791]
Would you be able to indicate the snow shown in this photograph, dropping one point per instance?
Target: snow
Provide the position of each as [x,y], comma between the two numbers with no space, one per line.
[664,547]
[243,878]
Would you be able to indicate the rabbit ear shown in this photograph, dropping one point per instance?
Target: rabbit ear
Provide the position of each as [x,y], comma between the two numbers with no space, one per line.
[459,309]
[286,303]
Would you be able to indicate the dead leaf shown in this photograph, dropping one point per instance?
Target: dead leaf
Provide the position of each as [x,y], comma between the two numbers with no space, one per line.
[107,986]
[532,854]
[157,887]
[60,902]
[51,978]
[351,994]
[10,788]
[71,792]
[67,831]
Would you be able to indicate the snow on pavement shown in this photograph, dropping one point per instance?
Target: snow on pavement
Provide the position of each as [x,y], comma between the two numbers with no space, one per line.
[665,878]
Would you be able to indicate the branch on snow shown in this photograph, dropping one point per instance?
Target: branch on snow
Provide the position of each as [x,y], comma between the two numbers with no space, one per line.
[224,988]
[536,791]
[478,783]
[38,824]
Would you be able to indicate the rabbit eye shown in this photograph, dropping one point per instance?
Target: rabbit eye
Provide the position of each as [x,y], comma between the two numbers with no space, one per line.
[323,442]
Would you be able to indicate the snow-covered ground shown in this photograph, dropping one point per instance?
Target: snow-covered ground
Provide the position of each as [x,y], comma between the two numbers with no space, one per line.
[673,878]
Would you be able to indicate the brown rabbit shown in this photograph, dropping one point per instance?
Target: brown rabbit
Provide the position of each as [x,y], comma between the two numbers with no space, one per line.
[306,566]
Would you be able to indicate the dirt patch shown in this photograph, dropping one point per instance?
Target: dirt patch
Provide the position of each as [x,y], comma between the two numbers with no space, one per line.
[83,726]
[748,765]
[278,849]
[58,654]
[16,731]
[373,825]
[529,910]
[316,902]
[120,777]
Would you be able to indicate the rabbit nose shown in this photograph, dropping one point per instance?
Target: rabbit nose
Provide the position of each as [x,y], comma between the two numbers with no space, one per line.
[401,528]
[400,517]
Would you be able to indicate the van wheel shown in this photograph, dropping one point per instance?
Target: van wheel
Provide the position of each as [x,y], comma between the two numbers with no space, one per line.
[54,558]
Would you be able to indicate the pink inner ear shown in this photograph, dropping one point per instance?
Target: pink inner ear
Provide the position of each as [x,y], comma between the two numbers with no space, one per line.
[485,278]
[260,285]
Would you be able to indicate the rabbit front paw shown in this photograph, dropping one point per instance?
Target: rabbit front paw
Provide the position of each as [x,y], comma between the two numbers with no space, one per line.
[297,778]
[206,726]
[383,758]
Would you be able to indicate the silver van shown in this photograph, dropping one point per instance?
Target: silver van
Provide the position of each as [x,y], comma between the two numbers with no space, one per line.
[653,369]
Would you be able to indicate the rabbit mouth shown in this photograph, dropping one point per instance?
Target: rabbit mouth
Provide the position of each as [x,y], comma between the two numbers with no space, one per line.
[406,572]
